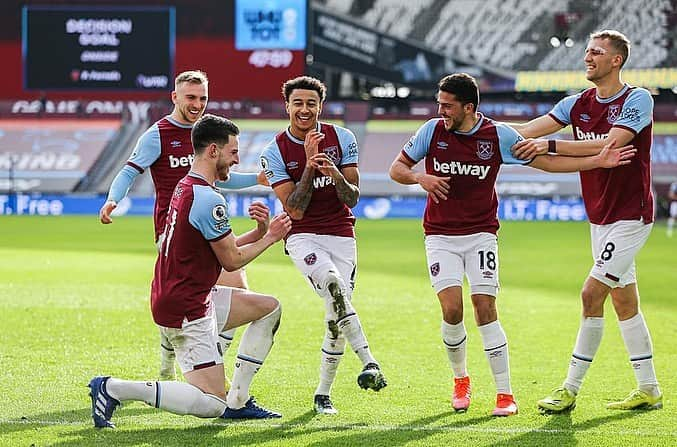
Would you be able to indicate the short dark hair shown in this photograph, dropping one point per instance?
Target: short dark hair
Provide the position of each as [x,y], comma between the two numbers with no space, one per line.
[618,41]
[304,83]
[463,86]
[212,129]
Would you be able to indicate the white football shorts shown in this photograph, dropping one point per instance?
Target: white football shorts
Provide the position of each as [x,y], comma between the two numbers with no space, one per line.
[221,298]
[473,255]
[196,343]
[314,254]
[614,247]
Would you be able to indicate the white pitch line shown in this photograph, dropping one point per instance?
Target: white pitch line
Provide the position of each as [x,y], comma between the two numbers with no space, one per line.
[263,425]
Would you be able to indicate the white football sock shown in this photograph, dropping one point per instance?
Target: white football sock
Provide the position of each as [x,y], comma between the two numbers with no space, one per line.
[638,343]
[175,397]
[254,348]
[587,343]
[454,338]
[226,339]
[167,358]
[496,350]
[338,308]
[351,328]
[332,353]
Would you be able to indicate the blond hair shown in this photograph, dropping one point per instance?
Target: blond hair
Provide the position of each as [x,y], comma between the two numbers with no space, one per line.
[618,41]
[191,76]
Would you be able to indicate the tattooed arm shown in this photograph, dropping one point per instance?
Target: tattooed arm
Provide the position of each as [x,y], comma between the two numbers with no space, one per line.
[347,179]
[296,198]
[348,188]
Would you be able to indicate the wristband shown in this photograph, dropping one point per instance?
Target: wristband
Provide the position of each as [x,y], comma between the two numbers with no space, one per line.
[552,146]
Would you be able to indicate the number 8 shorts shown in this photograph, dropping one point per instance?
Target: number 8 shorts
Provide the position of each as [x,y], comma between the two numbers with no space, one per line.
[614,247]
[475,255]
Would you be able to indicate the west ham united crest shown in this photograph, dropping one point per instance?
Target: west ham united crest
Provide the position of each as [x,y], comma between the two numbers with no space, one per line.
[333,153]
[310,259]
[435,269]
[613,113]
[485,149]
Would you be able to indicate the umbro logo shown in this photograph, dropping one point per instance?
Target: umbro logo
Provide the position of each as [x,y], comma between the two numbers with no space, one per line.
[175,144]
[442,145]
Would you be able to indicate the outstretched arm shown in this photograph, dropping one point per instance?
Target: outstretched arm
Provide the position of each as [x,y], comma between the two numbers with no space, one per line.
[537,127]
[529,148]
[118,190]
[609,157]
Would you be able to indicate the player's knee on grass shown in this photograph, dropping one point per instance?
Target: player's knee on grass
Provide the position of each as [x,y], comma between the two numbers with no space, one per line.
[183,398]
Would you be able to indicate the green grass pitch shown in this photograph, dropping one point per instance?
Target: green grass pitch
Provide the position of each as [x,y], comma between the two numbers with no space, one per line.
[74,304]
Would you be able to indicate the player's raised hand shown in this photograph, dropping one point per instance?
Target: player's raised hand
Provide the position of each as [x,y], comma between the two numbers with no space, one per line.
[437,187]
[324,164]
[261,214]
[279,226]
[529,148]
[611,156]
[106,210]
[312,142]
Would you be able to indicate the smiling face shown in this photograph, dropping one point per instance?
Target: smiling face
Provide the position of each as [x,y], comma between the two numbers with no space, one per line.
[601,60]
[303,107]
[228,156]
[190,101]
[452,111]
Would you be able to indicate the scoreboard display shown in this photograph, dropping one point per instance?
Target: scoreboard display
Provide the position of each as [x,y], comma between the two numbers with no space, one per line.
[91,48]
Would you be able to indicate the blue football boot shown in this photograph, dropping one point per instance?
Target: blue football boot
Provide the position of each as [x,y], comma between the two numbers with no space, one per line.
[103,405]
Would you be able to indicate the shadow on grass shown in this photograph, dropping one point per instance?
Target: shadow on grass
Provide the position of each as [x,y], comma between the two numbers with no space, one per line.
[415,430]
[214,432]
[245,433]
[74,417]
[561,431]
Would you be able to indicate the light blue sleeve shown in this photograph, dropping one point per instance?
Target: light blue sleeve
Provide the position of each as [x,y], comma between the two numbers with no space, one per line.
[238,180]
[122,182]
[273,164]
[147,149]
[209,213]
[507,137]
[637,111]
[418,145]
[562,110]
[348,144]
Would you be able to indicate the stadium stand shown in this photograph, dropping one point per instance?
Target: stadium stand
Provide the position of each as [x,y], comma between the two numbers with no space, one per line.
[395,17]
[515,34]
[645,23]
[52,155]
